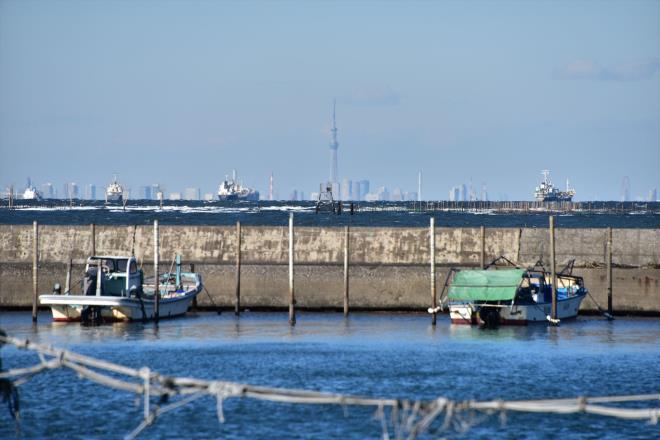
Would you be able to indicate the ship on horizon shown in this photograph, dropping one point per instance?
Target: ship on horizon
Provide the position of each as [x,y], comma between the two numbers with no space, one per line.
[547,192]
[231,189]
[114,192]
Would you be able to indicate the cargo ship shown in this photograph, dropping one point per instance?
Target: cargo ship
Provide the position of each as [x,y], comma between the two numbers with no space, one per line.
[547,192]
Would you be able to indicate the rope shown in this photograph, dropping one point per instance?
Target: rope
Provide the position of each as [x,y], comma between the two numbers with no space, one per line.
[413,418]
[600,310]
[211,299]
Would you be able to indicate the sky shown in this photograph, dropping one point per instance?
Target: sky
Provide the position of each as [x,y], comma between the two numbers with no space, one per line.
[181,93]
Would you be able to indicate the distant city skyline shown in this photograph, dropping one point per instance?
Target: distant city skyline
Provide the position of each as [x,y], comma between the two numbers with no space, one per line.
[496,91]
[349,190]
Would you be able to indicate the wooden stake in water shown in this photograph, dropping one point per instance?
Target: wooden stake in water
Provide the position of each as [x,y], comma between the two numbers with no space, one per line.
[482,256]
[292,297]
[99,276]
[194,301]
[92,231]
[346,250]
[35,269]
[156,279]
[67,286]
[434,296]
[609,271]
[237,305]
[553,269]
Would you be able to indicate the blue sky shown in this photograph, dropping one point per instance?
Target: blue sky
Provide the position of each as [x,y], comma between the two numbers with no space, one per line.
[181,93]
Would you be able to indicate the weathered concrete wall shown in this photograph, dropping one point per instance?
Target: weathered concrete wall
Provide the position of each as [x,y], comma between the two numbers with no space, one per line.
[389,266]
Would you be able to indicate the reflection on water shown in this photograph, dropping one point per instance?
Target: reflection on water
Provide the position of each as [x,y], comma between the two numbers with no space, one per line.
[389,355]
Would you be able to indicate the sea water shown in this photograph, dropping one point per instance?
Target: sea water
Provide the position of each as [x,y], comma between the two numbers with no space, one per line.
[277,214]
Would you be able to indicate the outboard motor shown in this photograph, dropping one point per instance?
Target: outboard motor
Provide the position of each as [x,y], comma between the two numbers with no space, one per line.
[91,315]
[489,317]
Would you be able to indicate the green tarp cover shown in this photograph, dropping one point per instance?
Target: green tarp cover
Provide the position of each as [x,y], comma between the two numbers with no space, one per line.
[486,285]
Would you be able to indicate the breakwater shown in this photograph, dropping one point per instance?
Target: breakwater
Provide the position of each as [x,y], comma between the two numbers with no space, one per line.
[388,267]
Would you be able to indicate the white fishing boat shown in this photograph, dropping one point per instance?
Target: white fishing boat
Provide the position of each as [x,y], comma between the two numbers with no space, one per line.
[232,189]
[114,192]
[511,296]
[113,289]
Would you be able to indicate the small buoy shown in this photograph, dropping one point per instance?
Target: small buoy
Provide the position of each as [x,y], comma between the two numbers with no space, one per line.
[552,321]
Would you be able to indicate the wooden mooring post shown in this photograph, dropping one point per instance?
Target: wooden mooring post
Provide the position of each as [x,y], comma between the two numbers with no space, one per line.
[237,304]
[67,286]
[609,271]
[434,296]
[99,277]
[194,301]
[346,259]
[482,254]
[156,279]
[553,268]
[92,231]
[292,297]
[35,269]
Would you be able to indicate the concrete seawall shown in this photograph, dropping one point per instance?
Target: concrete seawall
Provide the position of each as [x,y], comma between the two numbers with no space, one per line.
[389,266]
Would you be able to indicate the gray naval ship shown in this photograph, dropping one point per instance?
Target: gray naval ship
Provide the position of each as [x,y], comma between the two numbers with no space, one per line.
[547,192]
[231,189]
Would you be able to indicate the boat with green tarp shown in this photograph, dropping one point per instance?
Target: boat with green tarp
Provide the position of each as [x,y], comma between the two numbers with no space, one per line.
[511,296]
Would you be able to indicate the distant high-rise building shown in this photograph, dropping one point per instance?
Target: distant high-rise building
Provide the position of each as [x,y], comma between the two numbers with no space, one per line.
[294,195]
[48,191]
[464,193]
[145,193]
[625,189]
[396,195]
[155,189]
[334,145]
[209,197]
[455,194]
[364,189]
[71,190]
[346,189]
[192,194]
[90,192]
[653,194]
[356,191]
[484,192]
[175,196]
[335,190]
[410,196]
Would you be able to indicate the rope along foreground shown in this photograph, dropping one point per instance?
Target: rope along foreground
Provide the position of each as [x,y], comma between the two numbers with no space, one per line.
[407,418]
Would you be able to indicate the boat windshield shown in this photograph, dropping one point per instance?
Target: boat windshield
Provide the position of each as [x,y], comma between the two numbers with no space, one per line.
[121,265]
[110,265]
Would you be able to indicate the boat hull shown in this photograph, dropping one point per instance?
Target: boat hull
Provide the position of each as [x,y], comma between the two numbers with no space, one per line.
[114,197]
[69,308]
[466,312]
[250,197]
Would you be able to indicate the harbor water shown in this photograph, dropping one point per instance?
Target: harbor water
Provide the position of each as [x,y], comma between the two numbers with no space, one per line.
[377,355]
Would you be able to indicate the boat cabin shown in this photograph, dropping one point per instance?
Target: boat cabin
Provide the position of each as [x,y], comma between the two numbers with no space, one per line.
[119,276]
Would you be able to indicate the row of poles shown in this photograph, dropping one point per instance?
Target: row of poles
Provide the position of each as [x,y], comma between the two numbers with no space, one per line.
[292,297]
[513,206]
